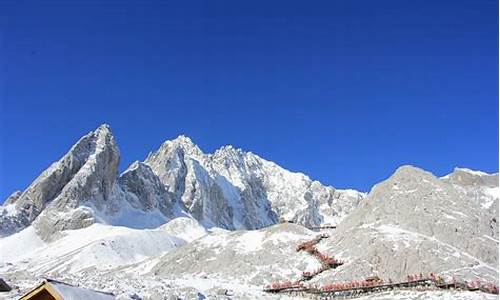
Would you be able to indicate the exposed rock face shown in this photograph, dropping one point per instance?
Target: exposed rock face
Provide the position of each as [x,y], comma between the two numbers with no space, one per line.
[482,189]
[414,222]
[469,178]
[83,188]
[13,198]
[411,223]
[231,189]
[144,190]
[86,173]
[238,190]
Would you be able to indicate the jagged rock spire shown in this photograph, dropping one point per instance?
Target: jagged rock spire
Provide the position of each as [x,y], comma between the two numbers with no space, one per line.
[86,173]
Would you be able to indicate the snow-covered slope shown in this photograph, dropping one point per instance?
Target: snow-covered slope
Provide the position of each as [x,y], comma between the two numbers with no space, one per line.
[186,228]
[97,246]
[246,257]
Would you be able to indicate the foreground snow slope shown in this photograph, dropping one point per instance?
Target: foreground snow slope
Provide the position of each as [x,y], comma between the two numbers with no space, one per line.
[98,246]
[245,257]
[223,262]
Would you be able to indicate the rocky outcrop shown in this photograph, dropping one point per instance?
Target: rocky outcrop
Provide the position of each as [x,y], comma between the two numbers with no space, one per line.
[415,222]
[230,189]
[234,189]
[469,178]
[411,223]
[83,188]
[144,190]
[86,173]
[13,198]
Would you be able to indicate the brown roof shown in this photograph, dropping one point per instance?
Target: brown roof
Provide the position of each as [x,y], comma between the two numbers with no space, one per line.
[57,290]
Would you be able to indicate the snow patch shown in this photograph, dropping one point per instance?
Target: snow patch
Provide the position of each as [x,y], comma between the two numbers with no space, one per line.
[185,228]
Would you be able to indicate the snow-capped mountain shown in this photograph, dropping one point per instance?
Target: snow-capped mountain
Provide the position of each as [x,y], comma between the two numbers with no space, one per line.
[86,174]
[411,223]
[234,189]
[230,189]
[83,188]
[190,225]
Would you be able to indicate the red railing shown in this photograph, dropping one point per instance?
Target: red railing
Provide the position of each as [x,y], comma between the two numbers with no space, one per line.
[328,262]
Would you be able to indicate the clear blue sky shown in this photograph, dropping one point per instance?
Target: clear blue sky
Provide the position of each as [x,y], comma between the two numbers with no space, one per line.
[344,91]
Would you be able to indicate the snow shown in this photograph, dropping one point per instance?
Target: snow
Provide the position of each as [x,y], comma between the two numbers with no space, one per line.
[185,228]
[250,241]
[398,234]
[447,216]
[250,188]
[491,195]
[19,245]
[130,217]
[205,285]
[127,248]
[429,295]
[69,292]
[473,172]
[99,246]
[8,210]
[231,193]
[490,238]
[492,192]
[124,248]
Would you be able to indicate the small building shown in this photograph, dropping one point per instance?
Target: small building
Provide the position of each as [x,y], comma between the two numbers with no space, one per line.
[4,287]
[56,290]
[373,278]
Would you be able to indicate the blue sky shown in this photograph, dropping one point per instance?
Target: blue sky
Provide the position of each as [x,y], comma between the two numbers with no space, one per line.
[344,91]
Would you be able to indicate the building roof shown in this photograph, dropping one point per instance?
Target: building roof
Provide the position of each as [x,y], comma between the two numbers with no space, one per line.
[64,291]
[4,287]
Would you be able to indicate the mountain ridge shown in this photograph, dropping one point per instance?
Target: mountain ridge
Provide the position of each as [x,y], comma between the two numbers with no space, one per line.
[229,188]
[143,233]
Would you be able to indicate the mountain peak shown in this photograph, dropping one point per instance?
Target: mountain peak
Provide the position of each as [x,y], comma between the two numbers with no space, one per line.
[409,171]
[183,139]
[181,142]
[468,177]
[13,197]
[134,165]
[471,172]
[229,150]
[104,127]
[85,174]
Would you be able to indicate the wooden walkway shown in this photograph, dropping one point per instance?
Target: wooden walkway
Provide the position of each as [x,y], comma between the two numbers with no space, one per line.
[329,291]
[324,227]
[357,288]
